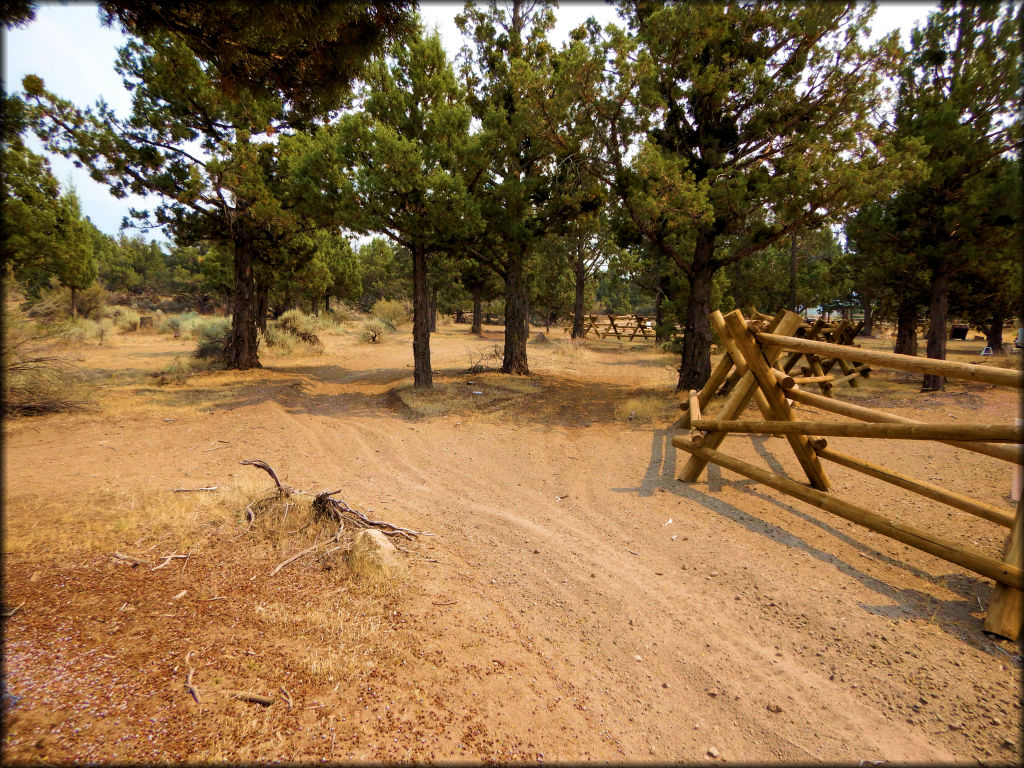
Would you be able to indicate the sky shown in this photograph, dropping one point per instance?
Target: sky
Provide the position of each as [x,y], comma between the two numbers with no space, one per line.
[74,53]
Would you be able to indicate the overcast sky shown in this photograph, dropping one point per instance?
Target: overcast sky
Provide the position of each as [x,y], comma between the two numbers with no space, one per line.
[74,53]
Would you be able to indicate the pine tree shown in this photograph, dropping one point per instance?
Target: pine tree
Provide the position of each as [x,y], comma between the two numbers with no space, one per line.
[398,167]
[757,121]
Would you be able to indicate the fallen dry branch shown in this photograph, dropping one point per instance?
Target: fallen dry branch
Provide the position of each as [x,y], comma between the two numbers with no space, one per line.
[254,698]
[195,490]
[132,561]
[297,555]
[14,610]
[191,689]
[167,561]
[287,696]
[283,489]
[336,509]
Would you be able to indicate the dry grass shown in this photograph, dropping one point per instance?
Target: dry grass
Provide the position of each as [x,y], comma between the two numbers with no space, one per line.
[646,409]
[483,392]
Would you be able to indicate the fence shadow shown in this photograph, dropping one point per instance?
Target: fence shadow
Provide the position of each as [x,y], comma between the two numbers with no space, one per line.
[953,616]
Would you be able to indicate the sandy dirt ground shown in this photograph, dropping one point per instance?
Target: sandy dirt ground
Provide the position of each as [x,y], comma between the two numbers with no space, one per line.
[575,602]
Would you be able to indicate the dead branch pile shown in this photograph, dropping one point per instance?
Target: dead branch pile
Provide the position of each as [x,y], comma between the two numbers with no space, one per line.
[325,510]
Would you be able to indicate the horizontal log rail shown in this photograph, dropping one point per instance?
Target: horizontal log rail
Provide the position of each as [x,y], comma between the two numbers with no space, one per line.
[961,502]
[965,371]
[988,432]
[1004,573]
[1013,454]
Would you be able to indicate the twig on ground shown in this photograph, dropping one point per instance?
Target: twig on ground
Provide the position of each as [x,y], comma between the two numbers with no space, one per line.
[14,610]
[632,552]
[167,560]
[191,688]
[194,490]
[296,556]
[133,561]
[255,698]
[450,602]
[287,696]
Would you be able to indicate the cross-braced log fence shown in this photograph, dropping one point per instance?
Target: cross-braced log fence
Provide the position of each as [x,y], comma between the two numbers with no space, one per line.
[757,353]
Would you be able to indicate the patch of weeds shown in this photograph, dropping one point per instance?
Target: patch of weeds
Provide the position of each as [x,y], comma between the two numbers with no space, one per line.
[487,360]
[645,409]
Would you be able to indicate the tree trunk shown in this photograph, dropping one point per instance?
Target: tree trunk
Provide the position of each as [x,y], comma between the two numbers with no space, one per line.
[580,274]
[869,318]
[478,319]
[695,366]
[262,307]
[938,309]
[74,302]
[241,352]
[661,330]
[906,328]
[423,376]
[433,309]
[994,335]
[517,316]
[327,303]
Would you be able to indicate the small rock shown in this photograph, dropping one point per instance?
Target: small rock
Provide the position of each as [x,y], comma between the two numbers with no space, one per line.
[638,658]
[773,707]
[713,692]
[664,685]
[1008,742]
[713,751]
[536,551]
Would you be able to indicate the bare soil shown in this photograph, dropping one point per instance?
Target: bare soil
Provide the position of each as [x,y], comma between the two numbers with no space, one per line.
[576,602]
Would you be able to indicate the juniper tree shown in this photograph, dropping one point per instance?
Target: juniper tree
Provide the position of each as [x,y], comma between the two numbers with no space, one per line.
[738,123]
[399,167]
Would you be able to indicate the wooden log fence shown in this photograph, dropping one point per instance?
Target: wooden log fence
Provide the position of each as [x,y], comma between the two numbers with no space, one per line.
[759,355]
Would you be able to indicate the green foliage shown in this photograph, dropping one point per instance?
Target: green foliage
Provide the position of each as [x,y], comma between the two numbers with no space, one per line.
[385,270]
[305,52]
[758,122]
[960,100]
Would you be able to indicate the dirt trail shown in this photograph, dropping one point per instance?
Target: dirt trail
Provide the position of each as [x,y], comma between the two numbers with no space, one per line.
[575,603]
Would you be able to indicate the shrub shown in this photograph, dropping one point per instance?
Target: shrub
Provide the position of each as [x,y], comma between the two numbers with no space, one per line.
[212,334]
[78,331]
[280,341]
[180,325]
[373,331]
[35,378]
[392,311]
[126,318]
[301,326]
[343,313]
